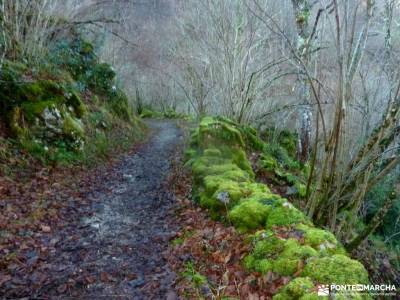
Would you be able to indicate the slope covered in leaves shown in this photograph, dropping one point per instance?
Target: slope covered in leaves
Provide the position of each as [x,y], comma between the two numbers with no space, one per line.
[284,241]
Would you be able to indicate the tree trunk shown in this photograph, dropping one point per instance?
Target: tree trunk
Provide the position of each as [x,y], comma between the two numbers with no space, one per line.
[301,11]
[373,224]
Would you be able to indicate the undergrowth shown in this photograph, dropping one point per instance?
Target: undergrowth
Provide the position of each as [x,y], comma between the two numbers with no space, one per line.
[66,110]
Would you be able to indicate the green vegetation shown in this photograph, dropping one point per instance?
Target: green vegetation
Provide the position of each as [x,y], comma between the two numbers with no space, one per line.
[193,276]
[66,109]
[167,114]
[299,288]
[278,160]
[287,242]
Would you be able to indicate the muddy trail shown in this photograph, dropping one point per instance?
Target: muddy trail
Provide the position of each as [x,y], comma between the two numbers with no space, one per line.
[116,248]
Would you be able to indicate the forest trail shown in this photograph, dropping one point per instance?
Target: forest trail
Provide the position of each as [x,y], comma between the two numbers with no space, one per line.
[121,244]
[129,229]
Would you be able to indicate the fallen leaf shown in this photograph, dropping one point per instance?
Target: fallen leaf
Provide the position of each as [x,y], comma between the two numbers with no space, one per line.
[4,279]
[45,228]
[104,277]
[254,296]
[62,288]
[90,279]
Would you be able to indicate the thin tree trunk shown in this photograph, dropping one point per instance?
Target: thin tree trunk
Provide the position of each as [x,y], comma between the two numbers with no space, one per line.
[373,224]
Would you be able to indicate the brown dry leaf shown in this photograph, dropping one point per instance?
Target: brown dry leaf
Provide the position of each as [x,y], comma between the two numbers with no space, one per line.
[104,277]
[254,296]
[228,257]
[90,279]
[45,228]
[62,288]
[131,276]
[225,278]
[245,290]
[4,279]
[230,290]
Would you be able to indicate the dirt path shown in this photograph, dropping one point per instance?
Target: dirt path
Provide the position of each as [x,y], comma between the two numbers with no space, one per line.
[116,251]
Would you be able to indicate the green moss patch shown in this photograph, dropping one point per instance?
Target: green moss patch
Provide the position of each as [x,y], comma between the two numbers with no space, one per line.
[298,288]
[338,269]
[249,214]
[286,215]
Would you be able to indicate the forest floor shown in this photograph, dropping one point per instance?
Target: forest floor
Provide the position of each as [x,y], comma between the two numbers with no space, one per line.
[108,234]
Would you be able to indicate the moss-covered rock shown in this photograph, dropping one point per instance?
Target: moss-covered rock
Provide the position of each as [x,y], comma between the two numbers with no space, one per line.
[75,103]
[292,258]
[249,214]
[338,269]
[323,241]
[214,132]
[298,288]
[221,193]
[73,126]
[289,245]
[285,257]
[286,215]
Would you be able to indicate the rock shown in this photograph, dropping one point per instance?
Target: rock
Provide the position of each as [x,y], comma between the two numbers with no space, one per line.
[223,197]
[53,120]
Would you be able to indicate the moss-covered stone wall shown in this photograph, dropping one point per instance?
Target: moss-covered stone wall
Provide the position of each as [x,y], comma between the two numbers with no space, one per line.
[284,240]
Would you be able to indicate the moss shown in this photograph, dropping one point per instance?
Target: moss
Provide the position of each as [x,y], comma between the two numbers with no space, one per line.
[218,186]
[292,257]
[249,214]
[75,101]
[284,256]
[213,131]
[40,90]
[15,119]
[301,189]
[118,103]
[33,110]
[318,238]
[286,215]
[268,162]
[101,78]
[288,140]
[212,152]
[310,296]
[220,172]
[239,157]
[269,246]
[147,113]
[73,127]
[282,156]
[190,154]
[338,269]
[228,180]
[296,289]
[224,182]
[251,138]
[248,262]
[263,266]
